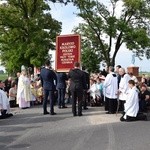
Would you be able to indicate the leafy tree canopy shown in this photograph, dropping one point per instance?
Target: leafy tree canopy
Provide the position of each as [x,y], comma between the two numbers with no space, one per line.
[106,29]
[27,32]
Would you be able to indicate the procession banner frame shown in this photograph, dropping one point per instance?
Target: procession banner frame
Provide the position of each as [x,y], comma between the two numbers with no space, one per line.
[68,51]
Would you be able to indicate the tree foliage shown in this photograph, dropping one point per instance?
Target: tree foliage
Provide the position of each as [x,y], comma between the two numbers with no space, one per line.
[106,29]
[90,59]
[27,32]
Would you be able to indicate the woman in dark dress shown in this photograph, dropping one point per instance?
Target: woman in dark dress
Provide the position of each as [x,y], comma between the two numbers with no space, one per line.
[144,98]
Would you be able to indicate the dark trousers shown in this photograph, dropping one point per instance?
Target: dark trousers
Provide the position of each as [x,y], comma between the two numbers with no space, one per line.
[85,99]
[12,103]
[112,105]
[142,106]
[50,94]
[61,97]
[106,104]
[77,95]
[121,105]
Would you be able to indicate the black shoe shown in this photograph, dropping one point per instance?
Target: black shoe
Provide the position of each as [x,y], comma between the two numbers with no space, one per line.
[145,118]
[110,112]
[74,115]
[80,115]
[24,107]
[6,116]
[46,113]
[53,113]
[59,107]
[64,107]
[122,119]
[10,115]
[85,108]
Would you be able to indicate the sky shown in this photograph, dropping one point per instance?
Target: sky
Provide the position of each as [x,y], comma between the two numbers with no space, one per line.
[66,14]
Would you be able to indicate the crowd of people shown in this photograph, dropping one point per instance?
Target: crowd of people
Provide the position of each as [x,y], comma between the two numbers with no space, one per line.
[114,88]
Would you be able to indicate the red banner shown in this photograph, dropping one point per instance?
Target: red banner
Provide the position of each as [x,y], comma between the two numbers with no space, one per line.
[67,52]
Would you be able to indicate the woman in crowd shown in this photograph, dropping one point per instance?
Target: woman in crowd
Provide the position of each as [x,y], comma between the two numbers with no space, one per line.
[33,92]
[143,79]
[144,98]
[100,82]
[12,95]
[39,92]
[68,93]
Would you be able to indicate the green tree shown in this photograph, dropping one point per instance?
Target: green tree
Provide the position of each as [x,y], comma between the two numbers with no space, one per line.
[27,32]
[90,59]
[90,53]
[106,31]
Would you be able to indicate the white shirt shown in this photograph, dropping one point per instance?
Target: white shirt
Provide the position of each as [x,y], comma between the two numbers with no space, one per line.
[111,86]
[123,87]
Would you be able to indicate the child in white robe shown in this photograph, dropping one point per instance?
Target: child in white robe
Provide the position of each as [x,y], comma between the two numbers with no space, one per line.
[132,103]
[94,91]
[4,104]
[94,94]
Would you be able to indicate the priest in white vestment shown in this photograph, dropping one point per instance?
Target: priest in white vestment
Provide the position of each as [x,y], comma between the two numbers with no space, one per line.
[132,103]
[123,88]
[24,91]
[111,91]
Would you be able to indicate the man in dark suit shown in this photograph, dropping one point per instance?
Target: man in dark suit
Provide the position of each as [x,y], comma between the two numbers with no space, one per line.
[77,86]
[61,88]
[48,77]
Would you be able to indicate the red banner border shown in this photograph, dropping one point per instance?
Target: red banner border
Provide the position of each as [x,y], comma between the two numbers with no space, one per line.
[79,51]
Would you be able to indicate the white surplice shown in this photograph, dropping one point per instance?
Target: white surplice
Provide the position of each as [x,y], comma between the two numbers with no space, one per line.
[4,101]
[132,103]
[123,87]
[134,78]
[111,86]
[23,92]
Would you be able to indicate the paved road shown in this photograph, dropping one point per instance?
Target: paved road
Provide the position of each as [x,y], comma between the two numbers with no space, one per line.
[30,130]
